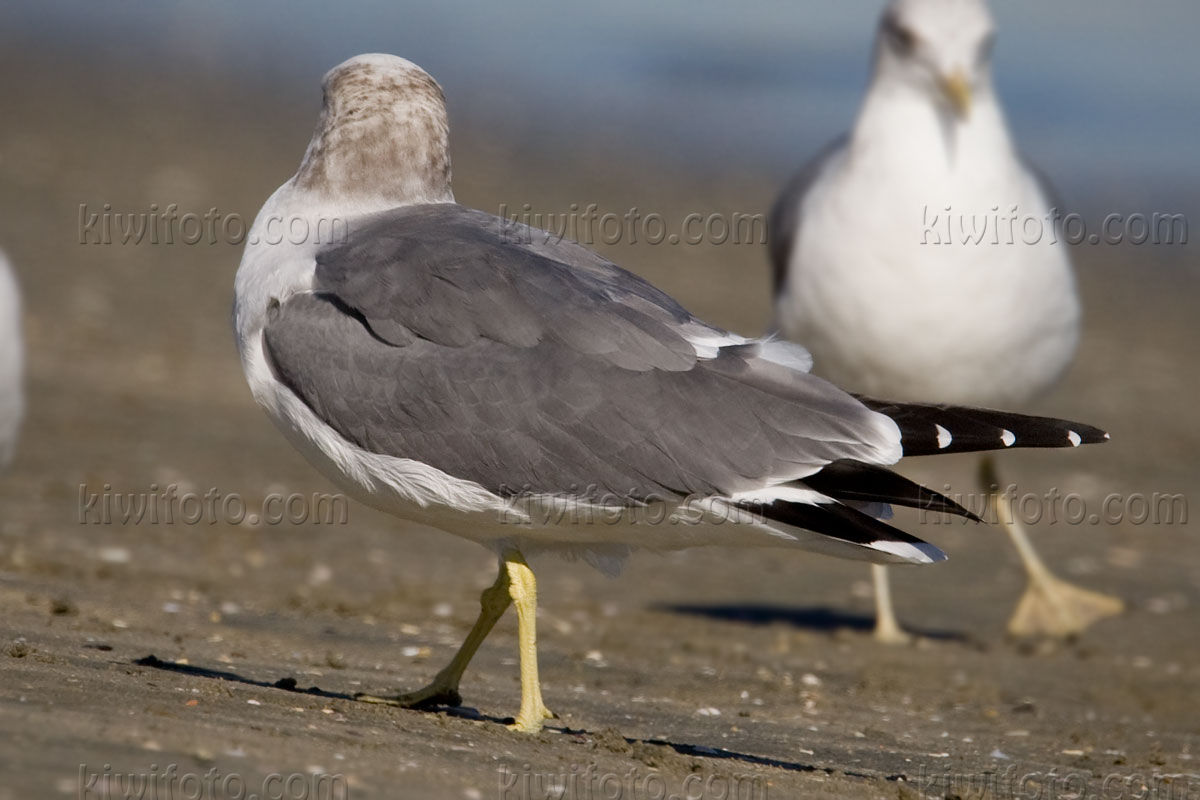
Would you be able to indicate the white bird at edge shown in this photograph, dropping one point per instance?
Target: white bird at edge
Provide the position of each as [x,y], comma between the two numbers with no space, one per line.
[918,258]
[471,374]
[12,357]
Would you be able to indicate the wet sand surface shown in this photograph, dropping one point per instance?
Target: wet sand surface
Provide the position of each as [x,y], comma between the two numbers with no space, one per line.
[234,649]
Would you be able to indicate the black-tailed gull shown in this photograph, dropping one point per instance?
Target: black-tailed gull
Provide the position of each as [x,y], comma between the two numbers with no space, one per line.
[475,375]
[917,258]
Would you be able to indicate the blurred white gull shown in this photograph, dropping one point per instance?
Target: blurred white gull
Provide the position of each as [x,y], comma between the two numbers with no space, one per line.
[12,402]
[896,266]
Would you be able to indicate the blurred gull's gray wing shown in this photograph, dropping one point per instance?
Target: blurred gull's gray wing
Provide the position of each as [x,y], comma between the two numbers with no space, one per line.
[784,220]
[454,338]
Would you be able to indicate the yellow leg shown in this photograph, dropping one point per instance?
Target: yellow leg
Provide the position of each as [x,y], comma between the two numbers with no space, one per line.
[514,584]
[523,589]
[1050,605]
[887,629]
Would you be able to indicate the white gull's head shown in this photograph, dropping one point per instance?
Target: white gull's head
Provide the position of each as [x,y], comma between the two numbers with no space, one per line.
[938,48]
[383,138]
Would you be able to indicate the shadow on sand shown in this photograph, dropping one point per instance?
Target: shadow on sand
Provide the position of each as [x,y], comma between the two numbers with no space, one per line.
[817,618]
[289,684]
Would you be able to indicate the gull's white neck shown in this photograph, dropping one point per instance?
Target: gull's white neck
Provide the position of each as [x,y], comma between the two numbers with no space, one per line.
[901,130]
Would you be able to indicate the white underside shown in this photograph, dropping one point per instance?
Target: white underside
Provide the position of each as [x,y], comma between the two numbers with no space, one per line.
[888,315]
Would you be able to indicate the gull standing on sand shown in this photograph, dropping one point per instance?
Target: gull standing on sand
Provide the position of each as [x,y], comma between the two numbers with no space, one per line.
[475,375]
[12,403]
[894,266]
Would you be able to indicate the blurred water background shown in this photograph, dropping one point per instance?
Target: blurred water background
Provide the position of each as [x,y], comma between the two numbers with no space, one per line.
[1101,93]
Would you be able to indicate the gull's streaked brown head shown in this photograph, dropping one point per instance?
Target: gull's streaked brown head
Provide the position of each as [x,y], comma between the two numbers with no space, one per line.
[382,139]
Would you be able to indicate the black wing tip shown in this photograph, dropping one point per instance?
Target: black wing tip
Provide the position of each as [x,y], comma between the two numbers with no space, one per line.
[1087,434]
[847,479]
[931,428]
[937,502]
[971,515]
[849,526]
[1068,434]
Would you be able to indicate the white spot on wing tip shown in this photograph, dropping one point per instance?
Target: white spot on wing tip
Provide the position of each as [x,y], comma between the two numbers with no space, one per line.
[1008,437]
[943,437]
[1106,436]
[1073,438]
[920,553]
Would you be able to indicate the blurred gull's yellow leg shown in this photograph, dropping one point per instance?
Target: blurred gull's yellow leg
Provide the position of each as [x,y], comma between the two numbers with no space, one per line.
[1050,605]
[887,629]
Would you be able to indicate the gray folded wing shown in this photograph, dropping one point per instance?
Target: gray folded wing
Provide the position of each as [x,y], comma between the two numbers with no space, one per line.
[451,337]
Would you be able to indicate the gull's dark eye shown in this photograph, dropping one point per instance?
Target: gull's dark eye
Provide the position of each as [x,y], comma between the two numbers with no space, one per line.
[902,38]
